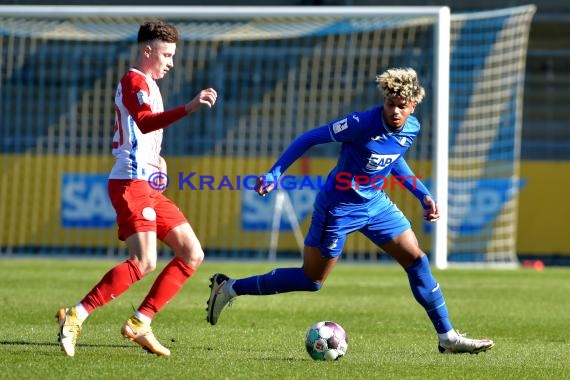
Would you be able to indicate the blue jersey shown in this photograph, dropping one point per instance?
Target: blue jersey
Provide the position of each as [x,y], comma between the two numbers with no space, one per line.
[369,151]
[353,198]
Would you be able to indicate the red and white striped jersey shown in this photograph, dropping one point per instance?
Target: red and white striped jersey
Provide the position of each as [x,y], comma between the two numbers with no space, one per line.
[139,120]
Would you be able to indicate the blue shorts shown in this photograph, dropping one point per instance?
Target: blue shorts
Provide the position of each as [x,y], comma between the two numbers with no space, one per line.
[381,222]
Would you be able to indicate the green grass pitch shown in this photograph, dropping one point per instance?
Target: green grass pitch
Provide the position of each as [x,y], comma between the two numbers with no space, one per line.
[526,312]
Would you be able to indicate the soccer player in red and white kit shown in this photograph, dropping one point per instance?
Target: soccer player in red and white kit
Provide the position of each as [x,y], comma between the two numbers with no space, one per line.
[144,213]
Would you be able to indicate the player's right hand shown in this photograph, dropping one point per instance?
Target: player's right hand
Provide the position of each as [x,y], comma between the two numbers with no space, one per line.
[264,185]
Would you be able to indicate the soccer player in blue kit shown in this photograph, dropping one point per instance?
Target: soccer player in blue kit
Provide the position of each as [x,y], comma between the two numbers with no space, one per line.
[373,144]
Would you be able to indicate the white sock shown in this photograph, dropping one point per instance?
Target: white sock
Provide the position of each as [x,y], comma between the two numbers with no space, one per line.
[81,312]
[450,336]
[143,318]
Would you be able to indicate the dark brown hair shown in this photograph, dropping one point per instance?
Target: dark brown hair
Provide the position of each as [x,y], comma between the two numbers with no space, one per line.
[157,30]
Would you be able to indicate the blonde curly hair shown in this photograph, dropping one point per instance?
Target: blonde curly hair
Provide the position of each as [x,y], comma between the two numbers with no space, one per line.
[401,83]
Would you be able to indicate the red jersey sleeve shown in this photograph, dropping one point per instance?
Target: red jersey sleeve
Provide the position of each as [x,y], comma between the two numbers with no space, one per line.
[135,99]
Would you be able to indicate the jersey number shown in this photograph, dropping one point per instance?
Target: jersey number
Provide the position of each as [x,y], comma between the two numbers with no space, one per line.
[118,129]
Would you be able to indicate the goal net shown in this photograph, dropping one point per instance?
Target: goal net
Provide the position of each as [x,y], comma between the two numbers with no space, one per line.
[488,57]
[279,71]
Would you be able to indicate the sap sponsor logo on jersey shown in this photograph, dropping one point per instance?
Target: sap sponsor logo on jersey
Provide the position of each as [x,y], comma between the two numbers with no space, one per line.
[339,126]
[380,161]
[85,202]
[257,212]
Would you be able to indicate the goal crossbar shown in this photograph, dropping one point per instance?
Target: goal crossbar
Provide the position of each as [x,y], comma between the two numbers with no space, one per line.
[211,12]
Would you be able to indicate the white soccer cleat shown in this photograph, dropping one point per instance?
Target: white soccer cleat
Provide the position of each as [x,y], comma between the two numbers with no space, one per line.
[465,345]
[219,297]
[69,329]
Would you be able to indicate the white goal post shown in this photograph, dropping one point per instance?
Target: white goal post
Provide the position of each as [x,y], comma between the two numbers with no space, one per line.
[282,70]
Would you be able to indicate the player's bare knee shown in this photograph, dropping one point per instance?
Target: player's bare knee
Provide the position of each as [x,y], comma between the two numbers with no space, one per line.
[146,266]
[196,259]
[193,257]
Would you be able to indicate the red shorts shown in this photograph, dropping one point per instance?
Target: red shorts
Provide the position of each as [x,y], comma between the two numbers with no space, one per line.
[140,208]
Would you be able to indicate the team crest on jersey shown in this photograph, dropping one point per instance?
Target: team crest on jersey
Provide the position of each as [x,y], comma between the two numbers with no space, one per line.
[340,125]
[142,96]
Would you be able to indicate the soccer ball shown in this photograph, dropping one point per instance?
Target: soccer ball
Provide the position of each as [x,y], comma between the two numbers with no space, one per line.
[326,340]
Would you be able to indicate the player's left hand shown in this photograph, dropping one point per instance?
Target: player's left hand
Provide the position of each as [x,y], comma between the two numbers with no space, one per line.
[205,98]
[431,211]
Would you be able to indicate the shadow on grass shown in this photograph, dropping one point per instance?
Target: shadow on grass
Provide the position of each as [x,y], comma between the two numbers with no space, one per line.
[29,343]
[130,346]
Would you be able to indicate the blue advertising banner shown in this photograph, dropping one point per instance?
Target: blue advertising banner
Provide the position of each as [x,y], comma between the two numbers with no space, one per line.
[85,202]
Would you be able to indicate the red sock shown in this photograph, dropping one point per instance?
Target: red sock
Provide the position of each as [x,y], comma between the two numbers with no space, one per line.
[112,285]
[165,287]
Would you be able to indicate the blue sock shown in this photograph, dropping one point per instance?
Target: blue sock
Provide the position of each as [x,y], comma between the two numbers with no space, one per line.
[280,280]
[427,292]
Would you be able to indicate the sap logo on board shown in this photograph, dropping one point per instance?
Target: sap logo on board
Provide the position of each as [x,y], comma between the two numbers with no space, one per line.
[475,205]
[85,202]
[257,212]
